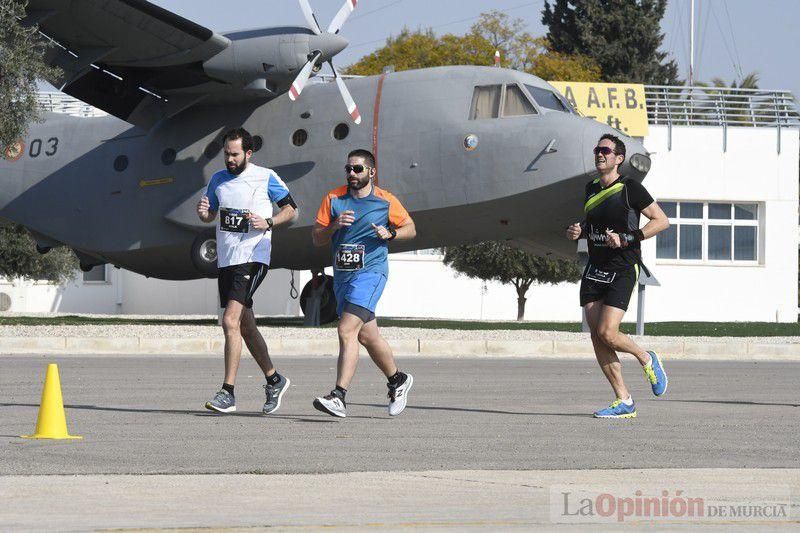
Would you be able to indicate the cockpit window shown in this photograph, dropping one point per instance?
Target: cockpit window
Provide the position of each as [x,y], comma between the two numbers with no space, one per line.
[547,99]
[485,102]
[516,103]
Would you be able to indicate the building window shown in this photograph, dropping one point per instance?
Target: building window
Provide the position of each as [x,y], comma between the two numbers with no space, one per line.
[715,232]
[97,274]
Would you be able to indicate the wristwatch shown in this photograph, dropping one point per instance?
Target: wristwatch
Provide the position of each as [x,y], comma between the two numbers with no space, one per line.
[269,223]
[393,233]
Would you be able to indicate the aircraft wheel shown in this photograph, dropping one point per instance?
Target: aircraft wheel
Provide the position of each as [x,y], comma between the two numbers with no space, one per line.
[204,254]
[327,307]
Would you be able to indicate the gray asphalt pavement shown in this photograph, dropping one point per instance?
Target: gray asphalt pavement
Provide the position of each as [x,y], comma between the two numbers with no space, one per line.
[144,415]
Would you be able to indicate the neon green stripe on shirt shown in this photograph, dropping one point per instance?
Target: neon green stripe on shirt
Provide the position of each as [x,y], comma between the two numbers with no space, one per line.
[597,199]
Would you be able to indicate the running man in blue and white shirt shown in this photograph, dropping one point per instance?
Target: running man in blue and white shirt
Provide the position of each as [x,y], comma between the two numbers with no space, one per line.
[358,220]
[242,195]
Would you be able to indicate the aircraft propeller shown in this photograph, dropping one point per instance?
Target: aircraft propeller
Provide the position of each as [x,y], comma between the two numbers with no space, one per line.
[331,34]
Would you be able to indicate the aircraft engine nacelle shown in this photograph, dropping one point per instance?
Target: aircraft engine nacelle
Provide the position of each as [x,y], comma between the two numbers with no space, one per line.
[268,59]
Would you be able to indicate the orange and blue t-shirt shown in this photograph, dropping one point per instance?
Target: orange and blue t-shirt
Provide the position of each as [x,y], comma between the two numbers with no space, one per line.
[380,207]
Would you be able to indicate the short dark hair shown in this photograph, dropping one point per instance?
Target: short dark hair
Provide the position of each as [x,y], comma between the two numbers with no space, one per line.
[619,146]
[366,154]
[239,133]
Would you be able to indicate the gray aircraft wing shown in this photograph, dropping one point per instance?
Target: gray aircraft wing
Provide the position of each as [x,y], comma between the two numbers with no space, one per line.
[130,58]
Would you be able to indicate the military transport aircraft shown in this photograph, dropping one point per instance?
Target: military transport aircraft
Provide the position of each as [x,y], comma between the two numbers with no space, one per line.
[475,153]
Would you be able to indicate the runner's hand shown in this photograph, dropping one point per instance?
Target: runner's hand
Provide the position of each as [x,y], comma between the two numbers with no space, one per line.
[202,207]
[382,232]
[345,219]
[574,231]
[613,240]
[257,222]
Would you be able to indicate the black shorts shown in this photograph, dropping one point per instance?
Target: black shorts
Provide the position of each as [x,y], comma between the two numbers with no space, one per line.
[615,293]
[239,283]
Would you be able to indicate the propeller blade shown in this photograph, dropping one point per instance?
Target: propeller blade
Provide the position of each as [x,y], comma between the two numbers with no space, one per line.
[341,16]
[310,18]
[300,81]
[352,108]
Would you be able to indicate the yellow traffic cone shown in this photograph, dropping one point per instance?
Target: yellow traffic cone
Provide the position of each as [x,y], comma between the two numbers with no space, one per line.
[52,424]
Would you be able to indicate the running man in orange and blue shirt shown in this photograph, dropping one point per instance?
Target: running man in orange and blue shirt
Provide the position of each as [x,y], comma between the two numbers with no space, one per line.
[359,219]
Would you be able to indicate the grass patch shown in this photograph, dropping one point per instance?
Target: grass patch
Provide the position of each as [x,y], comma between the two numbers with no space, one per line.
[672,329]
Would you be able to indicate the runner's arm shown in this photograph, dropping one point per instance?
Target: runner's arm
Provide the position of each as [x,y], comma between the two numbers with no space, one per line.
[406,231]
[321,235]
[657,221]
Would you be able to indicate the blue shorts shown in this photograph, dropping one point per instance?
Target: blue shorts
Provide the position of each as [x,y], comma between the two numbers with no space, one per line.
[363,290]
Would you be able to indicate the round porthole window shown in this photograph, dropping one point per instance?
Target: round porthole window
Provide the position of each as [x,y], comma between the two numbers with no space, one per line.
[299,137]
[212,149]
[168,156]
[470,142]
[258,142]
[341,131]
[121,163]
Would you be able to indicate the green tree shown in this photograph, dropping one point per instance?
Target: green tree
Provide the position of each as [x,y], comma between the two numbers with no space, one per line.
[500,262]
[494,31]
[19,258]
[622,36]
[21,64]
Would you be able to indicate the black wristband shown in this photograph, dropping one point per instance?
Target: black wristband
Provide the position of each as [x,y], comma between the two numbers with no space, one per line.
[394,234]
[638,235]
[270,223]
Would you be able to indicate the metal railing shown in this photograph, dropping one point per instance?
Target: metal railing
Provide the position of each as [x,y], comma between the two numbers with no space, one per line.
[57,102]
[667,105]
[720,106]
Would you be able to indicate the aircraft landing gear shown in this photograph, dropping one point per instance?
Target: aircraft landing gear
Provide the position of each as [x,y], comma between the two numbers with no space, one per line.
[204,253]
[318,301]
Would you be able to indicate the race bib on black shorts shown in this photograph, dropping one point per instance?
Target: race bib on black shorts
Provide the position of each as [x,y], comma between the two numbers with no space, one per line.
[601,276]
[350,257]
[234,220]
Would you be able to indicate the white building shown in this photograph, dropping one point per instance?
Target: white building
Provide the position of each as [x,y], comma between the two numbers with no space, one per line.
[731,192]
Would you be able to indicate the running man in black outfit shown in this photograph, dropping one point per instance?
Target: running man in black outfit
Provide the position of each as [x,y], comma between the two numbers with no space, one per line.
[612,208]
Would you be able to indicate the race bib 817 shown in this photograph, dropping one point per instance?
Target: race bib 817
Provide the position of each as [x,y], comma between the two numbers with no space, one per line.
[234,220]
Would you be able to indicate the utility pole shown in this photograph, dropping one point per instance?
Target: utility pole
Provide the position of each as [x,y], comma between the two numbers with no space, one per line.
[691,45]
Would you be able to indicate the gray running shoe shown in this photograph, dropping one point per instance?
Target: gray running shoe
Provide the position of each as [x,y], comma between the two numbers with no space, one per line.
[274,395]
[332,405]
[223,402]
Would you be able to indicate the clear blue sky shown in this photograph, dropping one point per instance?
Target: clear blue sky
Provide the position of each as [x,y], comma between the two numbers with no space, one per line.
[732,36]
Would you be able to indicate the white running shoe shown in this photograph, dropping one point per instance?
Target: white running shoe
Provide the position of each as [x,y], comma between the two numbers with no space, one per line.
[332,405]
[398,395]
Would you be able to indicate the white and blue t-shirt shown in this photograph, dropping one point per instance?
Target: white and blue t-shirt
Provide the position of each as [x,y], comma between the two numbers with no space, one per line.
[232,196]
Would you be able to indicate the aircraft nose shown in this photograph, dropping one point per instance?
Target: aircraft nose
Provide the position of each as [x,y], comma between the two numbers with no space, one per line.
[328,43]
[637,161]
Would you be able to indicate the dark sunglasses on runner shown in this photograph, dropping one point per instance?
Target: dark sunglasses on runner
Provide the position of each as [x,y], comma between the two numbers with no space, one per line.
[358,169]
[605,150]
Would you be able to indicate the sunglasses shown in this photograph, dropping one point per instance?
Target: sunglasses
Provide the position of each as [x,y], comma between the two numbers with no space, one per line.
[605,150]
[358,169]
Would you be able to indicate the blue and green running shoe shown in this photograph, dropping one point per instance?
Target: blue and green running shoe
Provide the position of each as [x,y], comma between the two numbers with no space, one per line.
[656,375]
[617,410]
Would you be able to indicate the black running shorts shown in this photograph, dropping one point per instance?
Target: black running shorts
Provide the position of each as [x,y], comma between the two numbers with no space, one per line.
[612,288]
[239,283]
